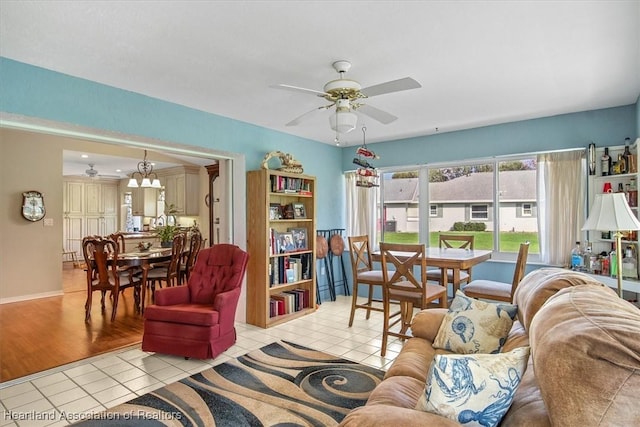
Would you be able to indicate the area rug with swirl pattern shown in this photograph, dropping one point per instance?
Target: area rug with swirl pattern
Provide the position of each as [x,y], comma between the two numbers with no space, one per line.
[281,384]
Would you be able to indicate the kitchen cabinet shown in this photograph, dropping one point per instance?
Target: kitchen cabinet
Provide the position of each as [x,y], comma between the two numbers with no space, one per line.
[144,202]
[101,198]
[90,207]
[182,189]
[73,231]
[101,225]
[73,198]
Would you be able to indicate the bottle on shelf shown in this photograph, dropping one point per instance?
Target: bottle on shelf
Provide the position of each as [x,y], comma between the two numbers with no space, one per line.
[626,156]
[605,162]
[604,264]
[586,258]
[629,263]
[613,262]
[620,166]
[576,257]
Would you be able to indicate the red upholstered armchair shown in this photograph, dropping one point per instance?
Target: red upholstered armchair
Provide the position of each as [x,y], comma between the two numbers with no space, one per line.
[197,320]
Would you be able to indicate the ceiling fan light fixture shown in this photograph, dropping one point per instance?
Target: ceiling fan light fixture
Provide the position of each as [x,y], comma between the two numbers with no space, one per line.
[343,121]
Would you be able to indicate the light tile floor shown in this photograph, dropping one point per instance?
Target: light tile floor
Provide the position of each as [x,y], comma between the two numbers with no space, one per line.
[69,393]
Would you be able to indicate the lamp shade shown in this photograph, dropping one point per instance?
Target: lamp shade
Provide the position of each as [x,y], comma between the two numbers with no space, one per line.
[133,183]
[611,212]
[146,183]
[343,121]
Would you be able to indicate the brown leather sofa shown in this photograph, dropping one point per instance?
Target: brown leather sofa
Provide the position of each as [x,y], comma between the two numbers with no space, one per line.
[584,367]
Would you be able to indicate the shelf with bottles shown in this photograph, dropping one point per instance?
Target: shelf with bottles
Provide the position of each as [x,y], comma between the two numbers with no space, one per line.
[613,160]
[587,260]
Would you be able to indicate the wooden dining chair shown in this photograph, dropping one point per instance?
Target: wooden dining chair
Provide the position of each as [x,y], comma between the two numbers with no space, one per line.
[101,257]
[168,273]
[125,271]
[189,257]
[363,274]
[402,286]
[499,291]
[460,241]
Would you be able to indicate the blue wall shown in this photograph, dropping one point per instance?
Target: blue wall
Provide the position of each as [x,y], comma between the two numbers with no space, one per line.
[604,127]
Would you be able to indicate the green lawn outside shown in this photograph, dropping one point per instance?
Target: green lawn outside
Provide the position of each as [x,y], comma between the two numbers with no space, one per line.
[509,241]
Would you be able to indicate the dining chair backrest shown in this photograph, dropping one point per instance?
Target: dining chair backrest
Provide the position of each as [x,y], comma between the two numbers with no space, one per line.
[119,239]
[462,241]
[403,257]
[521,264]
[177,248]
[360,254]
[195,243]
[101,257]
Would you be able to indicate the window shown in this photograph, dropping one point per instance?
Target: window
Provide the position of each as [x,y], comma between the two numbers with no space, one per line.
[480,212]
[463,198]
[400,207]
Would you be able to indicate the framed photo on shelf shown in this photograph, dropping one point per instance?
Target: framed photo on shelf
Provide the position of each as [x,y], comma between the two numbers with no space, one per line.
[275,212]
[299,211]
[285,242]
[299,238]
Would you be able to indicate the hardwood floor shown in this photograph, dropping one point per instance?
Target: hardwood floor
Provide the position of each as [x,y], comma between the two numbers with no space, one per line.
[44,333]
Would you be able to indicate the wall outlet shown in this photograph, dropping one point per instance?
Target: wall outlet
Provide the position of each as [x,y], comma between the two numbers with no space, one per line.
[48,222]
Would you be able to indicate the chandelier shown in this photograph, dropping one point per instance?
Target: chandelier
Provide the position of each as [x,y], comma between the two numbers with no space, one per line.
[148,177]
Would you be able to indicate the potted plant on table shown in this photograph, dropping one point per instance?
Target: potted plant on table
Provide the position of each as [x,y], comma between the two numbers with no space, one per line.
[166,235]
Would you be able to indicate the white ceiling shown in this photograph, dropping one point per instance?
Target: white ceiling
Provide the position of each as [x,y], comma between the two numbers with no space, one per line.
[479,62]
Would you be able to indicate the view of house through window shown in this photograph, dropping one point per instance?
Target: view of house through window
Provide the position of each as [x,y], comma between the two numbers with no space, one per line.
[463,199]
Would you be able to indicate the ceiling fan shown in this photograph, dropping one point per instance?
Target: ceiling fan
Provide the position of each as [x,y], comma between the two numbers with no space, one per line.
[345,95]
[93,174]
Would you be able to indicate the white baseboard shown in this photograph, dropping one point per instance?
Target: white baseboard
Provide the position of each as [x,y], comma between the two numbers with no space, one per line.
[30,297]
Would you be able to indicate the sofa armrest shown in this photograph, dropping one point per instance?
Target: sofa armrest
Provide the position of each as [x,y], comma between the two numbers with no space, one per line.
[172,296]
[386,415]
[426,323]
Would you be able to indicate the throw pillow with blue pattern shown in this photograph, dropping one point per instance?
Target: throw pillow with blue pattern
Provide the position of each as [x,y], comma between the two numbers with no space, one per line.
[475,326]
[473,389]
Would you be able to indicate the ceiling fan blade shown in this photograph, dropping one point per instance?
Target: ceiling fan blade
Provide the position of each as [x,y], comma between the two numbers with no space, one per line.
[392,86]
[299,89]
[306,115]
[377,114]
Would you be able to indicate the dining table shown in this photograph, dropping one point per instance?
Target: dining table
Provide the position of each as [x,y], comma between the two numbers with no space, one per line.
[144,260]
[454,259]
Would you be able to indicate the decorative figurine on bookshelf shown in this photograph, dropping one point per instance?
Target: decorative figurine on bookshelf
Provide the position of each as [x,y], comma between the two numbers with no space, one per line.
[288,162]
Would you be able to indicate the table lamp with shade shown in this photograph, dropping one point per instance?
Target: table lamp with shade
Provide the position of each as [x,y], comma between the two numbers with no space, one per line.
[611,212]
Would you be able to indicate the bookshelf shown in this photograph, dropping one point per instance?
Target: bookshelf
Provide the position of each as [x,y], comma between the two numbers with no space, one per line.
[281,232]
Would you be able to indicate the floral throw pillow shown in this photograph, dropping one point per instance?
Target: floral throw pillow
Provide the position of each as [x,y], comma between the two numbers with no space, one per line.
[475,326]
[473,389]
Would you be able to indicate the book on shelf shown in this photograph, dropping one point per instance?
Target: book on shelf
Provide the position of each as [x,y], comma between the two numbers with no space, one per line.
[290,269]
[285,184]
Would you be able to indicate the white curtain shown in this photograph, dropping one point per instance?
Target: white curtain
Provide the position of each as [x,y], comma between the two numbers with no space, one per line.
[362,211]
[561,204]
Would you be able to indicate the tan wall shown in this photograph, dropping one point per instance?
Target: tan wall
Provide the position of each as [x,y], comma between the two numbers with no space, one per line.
[30,253]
